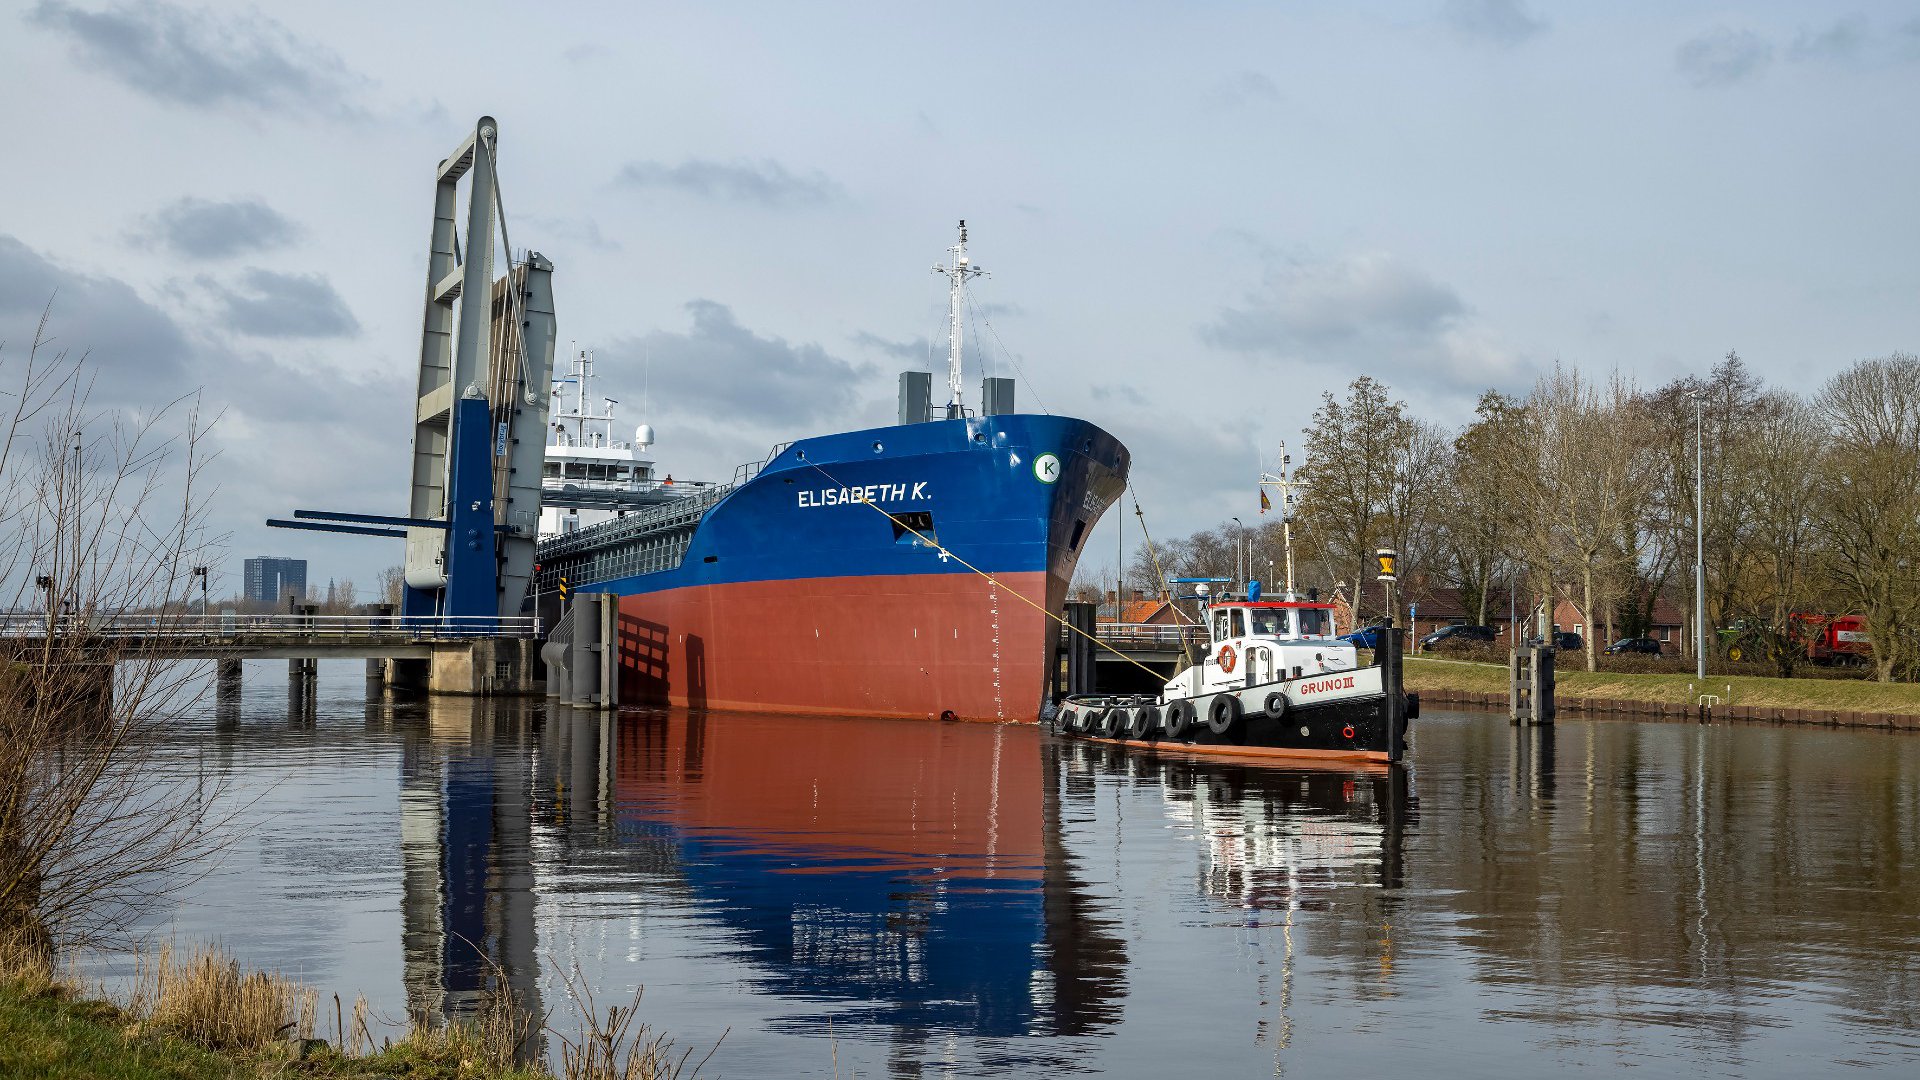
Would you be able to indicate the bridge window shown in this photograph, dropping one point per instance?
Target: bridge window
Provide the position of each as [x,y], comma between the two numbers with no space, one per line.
[1239,623]
[1315,622]
[1221,628]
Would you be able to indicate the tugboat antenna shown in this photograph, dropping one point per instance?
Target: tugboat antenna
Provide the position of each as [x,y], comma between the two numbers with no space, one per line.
[957,277]
[1285,484]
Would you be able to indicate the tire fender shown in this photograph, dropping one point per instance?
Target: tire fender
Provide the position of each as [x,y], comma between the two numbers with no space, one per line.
[1276,706]
[1178,719]
[1223,715]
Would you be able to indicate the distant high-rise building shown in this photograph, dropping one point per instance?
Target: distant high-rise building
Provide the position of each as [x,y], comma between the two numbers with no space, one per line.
[270,579]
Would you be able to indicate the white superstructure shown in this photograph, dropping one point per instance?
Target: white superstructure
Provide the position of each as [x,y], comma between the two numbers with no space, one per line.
[585,464]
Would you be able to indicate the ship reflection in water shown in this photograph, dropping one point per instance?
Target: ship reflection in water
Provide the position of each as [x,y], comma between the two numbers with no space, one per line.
[900,882]
[910,898]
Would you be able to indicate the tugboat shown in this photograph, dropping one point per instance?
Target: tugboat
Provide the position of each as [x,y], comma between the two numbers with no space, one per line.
[1275,682]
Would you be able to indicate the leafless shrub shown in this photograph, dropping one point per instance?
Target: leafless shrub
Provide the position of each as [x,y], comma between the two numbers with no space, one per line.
[616,1046]
[102,519]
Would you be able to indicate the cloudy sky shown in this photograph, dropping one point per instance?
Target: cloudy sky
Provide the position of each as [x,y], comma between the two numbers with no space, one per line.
[1196,220]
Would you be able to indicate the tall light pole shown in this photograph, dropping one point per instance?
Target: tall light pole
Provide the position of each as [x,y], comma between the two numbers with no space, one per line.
[1699,540]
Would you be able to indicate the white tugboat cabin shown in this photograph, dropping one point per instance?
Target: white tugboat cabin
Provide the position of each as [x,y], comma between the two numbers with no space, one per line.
[1254,642]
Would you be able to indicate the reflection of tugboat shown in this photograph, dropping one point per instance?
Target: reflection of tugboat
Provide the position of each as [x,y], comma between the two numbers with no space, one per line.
[1275,683]
[1276,837]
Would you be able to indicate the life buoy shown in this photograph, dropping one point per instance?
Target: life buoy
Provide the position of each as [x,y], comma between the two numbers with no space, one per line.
[1226,658]
[1179,717]
[1347,732]
[1144,720]
[1224,714]
[1276,705]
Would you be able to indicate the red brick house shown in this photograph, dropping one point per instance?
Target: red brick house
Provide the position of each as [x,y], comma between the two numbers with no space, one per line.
[1667,625]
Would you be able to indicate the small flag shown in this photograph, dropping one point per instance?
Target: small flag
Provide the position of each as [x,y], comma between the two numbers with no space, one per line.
[1265,503]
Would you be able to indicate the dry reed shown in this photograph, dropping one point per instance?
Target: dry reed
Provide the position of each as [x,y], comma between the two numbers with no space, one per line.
[207,999]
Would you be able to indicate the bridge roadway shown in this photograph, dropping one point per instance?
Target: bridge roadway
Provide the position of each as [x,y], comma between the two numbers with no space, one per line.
[470,655]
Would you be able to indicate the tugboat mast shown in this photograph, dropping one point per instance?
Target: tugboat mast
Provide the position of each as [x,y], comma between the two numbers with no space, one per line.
[1285,484]
[957,276]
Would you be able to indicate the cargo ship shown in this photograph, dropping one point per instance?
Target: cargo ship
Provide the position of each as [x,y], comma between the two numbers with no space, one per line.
[906,571]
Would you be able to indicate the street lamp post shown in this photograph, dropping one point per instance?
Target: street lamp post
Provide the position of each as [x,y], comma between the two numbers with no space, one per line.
[201,573]
[1699,541]
[1239,543]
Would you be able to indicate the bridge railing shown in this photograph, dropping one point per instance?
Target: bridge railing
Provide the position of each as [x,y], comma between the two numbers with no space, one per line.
[1149,635]
[303,627]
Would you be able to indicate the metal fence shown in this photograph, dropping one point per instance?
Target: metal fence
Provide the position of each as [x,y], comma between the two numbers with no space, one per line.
[303,627]
[1149,635]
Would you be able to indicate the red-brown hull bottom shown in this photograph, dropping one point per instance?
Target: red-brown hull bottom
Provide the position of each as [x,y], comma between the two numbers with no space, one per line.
[933,645]
[1260,753]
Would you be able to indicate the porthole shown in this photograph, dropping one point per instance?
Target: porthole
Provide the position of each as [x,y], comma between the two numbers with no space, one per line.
[877,447]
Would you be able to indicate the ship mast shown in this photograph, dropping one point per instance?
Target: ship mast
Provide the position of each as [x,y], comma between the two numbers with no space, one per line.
[957,277]
[1285,483]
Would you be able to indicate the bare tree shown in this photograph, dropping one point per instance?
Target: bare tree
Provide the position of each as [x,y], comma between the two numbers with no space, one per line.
[1477,514]
[1586,487]
[1869,504]
[392,586]
[1371,478]
[102,514]
[1781,488]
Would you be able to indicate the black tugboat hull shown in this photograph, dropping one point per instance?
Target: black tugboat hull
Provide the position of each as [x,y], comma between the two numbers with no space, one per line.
[1345,723]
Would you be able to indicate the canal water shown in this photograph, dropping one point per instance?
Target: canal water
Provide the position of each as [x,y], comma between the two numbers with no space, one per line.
[874,898]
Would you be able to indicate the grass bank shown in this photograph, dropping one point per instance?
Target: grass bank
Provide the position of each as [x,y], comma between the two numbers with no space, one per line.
[204,1017]
[1746,691]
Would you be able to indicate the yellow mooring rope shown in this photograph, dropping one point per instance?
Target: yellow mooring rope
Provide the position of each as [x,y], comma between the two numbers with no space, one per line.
[930,542]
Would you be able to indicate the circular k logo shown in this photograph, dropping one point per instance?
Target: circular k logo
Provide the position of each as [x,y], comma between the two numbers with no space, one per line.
[1046,469]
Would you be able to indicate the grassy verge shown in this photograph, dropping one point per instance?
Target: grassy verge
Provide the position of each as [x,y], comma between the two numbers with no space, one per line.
[47,1032]
[204,1017]
[1839,695]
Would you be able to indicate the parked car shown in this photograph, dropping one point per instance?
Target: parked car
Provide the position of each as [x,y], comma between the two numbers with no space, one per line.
[1646,645]
[1367,637]
[1567,641]
[1458,637]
